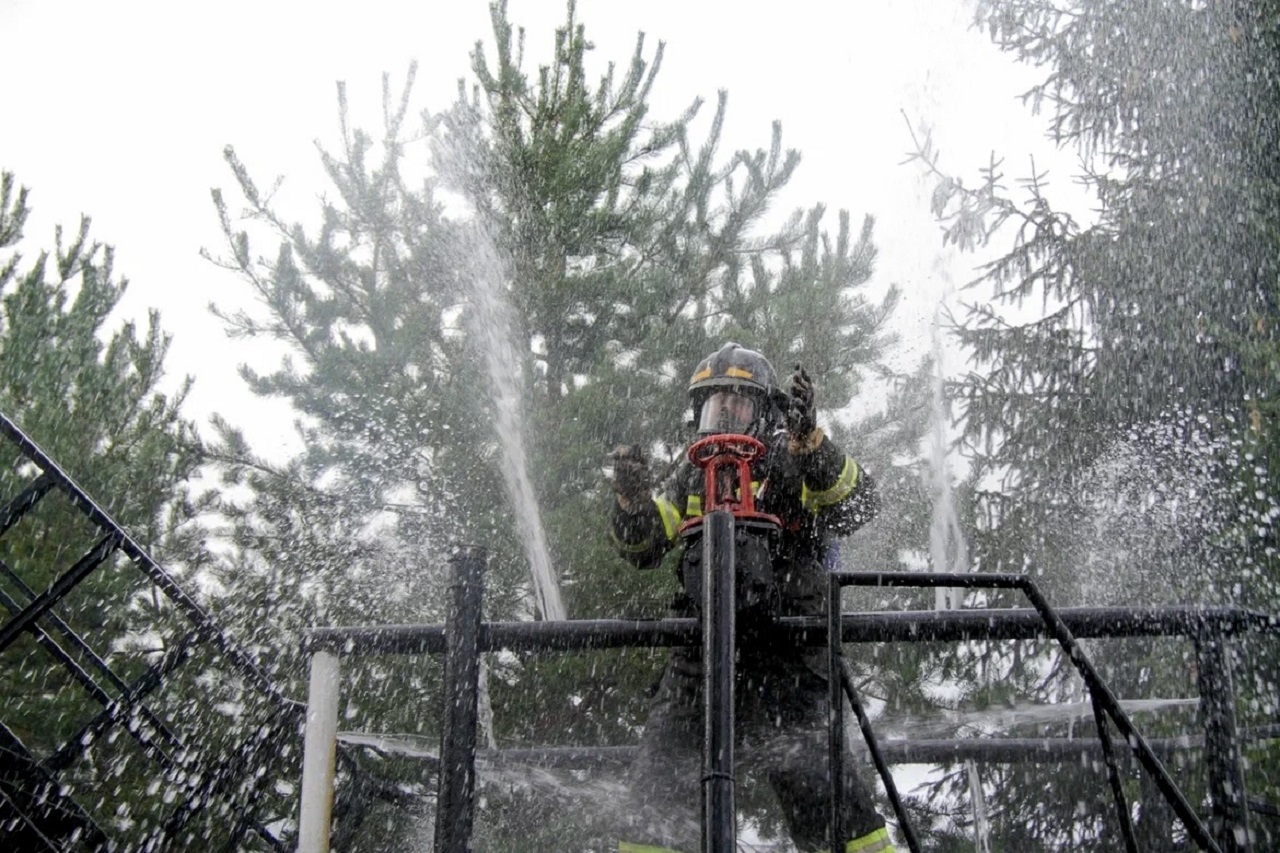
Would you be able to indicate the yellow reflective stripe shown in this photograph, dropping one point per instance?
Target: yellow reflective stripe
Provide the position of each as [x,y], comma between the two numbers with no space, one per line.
[670,517]
[628,847]
[842,488]
[872,842]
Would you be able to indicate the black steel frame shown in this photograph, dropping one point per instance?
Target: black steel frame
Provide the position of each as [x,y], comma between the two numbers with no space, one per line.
[1227,791]
[1210,628]
[33,807]
[35,812]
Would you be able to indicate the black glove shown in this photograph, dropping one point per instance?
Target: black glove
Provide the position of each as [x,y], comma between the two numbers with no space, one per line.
[802,414]
[632,481]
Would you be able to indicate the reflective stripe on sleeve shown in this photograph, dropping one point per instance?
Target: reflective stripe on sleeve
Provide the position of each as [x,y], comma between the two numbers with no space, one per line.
[670,517]
[873,842]
[843,487]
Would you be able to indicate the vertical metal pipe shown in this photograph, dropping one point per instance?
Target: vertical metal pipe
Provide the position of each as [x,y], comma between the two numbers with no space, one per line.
[835,716]
[319,751]
[718,625]
[1229,817]
[455,809]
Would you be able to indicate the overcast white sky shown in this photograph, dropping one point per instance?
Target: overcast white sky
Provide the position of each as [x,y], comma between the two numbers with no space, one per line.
[120,110]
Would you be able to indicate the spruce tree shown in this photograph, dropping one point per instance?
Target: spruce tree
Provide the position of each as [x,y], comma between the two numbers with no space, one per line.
[1119,413]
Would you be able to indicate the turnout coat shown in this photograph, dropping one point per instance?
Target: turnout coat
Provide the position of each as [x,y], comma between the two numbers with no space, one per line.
[817,491]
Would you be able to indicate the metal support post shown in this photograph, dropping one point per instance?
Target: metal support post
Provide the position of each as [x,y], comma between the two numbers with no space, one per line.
[718,625]
[1229,818]
[318,754]
[455,809]
[835,716]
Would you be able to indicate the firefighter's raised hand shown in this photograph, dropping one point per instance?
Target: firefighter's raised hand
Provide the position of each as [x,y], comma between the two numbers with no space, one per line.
[632,482]
[802,414]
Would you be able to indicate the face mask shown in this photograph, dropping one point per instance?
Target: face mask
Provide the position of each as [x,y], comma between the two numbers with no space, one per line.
[727,412]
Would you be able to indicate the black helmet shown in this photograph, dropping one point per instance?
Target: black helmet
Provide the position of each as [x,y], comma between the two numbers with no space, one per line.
[734,371]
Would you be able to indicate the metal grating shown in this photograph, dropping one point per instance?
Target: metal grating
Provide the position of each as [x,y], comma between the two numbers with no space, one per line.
[130,719]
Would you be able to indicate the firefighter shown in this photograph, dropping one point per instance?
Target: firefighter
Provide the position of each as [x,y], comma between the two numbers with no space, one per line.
[817,492]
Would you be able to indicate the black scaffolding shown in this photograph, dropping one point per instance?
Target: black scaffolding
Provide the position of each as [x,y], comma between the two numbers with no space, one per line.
[42,809]
[44,804]
[1211,629]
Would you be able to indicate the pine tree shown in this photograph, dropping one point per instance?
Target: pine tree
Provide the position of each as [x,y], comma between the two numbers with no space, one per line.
[87,389]
[627,249]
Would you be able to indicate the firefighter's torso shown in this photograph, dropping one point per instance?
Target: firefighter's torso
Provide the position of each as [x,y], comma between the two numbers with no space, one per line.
[790,560]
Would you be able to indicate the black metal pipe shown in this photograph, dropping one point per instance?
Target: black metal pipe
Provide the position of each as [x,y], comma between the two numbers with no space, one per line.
[1155,817]
[84,679]
[835,718]
[1228,796]
[63,585]
[455,807]
[1137,743]
[120,709]
[942,626]
[34,810]
[967,580]
[1059,630]
[245,665]
[25,500]
[86,652]
[878,758]
[1113,776]
[719,606]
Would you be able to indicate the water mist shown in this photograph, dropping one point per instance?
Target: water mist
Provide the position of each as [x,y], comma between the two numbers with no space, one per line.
[948,551]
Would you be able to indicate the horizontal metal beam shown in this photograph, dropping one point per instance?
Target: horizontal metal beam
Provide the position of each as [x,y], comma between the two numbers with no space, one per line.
[879,627]
[992,750]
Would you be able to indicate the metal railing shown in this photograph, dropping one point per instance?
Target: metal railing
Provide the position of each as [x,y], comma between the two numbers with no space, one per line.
[466,635]
[1227,790]
[37,812]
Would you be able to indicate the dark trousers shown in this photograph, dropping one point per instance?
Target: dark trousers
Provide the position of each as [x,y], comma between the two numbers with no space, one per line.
[781,726]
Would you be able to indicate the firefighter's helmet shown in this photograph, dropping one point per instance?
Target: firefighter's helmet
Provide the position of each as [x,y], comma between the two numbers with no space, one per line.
[734,390]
